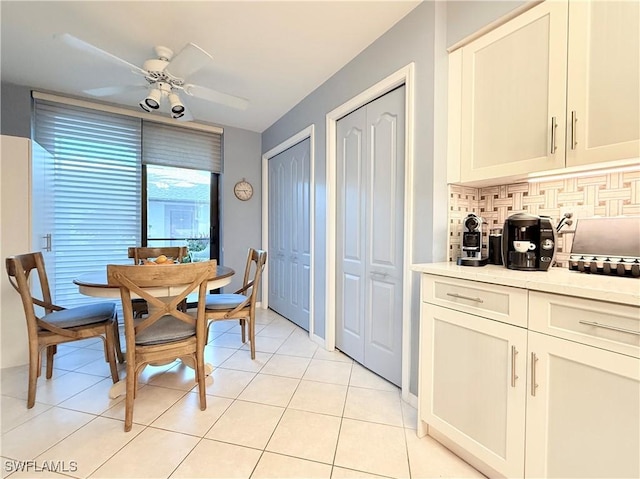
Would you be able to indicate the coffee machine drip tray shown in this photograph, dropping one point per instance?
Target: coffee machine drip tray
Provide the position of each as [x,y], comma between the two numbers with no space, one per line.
[608,246]
[472,261]
[523,261]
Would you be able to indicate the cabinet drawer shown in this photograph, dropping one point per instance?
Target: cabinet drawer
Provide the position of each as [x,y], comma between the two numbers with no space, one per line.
[610,326]
[502,303]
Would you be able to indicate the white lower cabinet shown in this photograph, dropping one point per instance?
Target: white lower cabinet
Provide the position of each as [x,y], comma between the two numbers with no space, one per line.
[583,411]
[473,389]
[516,402]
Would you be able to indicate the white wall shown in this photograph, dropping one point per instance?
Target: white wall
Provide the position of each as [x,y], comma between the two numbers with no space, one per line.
[15,238]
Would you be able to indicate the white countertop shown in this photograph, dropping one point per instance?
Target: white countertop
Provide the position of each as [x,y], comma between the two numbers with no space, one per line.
[556,280]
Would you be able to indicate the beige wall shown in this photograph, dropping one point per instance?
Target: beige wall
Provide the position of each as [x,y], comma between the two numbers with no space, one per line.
[612,194]
[15,238]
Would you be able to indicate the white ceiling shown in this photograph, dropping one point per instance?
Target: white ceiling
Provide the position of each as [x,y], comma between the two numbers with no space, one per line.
[272,53]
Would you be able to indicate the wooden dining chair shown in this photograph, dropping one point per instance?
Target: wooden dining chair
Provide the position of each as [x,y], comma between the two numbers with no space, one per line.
[167,333]
[240,305]
[59,325]
[142,254]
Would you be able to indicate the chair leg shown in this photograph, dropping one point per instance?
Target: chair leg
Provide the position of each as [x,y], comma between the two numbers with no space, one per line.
[252,337]
[110,347]
[34,372]
[242,323]
[183,306]
[116,341]
[200,377]
[130,396]
[51,351]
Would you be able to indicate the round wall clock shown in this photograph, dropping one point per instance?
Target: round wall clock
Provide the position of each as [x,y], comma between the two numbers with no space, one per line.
[243,190]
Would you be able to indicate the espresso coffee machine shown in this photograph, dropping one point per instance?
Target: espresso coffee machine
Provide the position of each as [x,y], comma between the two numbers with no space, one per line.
[472,242]
[528,242]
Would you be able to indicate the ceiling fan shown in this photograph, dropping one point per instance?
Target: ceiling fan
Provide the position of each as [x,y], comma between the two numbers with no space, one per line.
[165,76]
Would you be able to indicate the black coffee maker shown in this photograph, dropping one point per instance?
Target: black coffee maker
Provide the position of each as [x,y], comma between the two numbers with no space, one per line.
[472,242]
[528,242]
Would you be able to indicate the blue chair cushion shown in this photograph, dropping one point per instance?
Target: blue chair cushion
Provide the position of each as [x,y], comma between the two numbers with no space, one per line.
[224,301]
[166,330]
[81,315]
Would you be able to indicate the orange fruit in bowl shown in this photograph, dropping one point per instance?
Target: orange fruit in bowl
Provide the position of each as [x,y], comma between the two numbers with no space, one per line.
[161,259]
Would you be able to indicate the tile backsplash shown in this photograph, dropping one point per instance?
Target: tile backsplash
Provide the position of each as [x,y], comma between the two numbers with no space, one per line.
[613,194]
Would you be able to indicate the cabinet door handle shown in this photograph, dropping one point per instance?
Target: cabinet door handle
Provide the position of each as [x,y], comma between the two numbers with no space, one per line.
[514,376]
[459,296]
[47,240]
[554,126]
[606,326]
[574,119]
[534,385]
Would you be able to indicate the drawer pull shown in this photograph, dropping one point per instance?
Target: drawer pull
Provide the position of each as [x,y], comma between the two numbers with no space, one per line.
[534,385]
[606,326]
[459,296]
[514,376]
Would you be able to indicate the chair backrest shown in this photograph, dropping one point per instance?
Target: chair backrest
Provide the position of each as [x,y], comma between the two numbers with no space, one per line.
[184,278]
[19,268]
[140,253]
[256,261]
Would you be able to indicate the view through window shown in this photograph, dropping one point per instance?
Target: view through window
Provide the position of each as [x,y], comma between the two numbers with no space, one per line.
[179,209]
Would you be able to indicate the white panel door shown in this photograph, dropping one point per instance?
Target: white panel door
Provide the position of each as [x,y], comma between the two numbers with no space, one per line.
[603,90]
[583,414]
[289,233]
[351,230]
[473,388]
[277,236]
[370,227]
[514,97]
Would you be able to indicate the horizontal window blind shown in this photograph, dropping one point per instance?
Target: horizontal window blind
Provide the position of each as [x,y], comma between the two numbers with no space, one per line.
[94,173]
[168,145]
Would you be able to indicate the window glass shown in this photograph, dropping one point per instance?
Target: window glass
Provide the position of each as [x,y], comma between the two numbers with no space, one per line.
[179,209]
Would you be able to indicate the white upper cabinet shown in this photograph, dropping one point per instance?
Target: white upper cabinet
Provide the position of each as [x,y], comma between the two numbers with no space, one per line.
[603,94]
[513,96]
[555,87]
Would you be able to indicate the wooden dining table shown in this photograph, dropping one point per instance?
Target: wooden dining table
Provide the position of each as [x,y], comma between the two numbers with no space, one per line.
[95,284]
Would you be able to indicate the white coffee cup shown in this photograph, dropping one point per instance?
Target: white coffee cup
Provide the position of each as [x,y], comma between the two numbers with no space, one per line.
[524,246]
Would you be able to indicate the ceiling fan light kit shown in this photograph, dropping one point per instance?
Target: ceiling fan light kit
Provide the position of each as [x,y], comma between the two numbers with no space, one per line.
[153,99]
[165,76]
[177,108]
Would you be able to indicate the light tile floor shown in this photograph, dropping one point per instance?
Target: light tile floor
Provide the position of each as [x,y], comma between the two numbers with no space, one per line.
[296,411]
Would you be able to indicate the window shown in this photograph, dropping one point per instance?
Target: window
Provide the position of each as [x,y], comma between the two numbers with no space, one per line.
[178,210]
[180,171]
[106,181]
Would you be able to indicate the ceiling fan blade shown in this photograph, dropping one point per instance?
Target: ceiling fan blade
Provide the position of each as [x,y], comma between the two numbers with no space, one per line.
[112,90]
[216,97]
[189,60]
[87,47]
